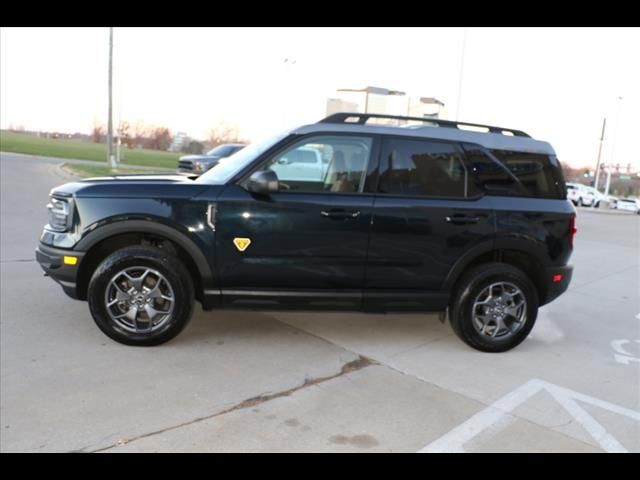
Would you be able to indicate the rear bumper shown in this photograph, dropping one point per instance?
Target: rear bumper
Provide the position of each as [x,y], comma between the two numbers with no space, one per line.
[556,287]
[52,262]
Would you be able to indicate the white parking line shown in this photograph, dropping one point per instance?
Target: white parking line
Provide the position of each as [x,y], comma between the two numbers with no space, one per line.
[623,356]
[495,413]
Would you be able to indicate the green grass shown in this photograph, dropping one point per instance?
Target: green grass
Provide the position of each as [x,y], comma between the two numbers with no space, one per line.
[65,148]
[104,171]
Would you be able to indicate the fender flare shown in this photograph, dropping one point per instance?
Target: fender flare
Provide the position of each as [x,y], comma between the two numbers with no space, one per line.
[526,246]
[145,226]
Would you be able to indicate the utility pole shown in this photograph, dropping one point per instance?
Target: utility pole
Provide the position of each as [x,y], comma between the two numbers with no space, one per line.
[604,124]
[110,158]
[464,44]
[613,146]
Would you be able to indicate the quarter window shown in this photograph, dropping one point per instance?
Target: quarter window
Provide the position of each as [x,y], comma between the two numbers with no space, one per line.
[424,168]
[540,175]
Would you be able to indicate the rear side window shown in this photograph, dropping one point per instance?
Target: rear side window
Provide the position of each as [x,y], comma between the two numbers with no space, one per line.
[517,174]
[422,168]
[540,175]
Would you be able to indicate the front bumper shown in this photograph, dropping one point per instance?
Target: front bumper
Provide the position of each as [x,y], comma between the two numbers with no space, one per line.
[557,287]
[52,262]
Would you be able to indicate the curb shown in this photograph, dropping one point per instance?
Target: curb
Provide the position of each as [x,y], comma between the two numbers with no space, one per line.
[122,166]
[63,173]
[606,211]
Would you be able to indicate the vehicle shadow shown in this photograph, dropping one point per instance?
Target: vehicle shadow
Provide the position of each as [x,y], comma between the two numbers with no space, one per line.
[350,330]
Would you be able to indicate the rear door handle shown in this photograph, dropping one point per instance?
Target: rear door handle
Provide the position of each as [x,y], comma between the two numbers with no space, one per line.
[462,219]
[340,214]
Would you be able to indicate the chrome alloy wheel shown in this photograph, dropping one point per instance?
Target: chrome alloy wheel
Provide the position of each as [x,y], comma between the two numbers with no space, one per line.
[139,299]
[499,311]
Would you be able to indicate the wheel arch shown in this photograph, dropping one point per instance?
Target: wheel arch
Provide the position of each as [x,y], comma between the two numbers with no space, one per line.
[522,256]
[108,238]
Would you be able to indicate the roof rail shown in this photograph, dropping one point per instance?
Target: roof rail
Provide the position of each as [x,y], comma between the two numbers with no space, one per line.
[362,118]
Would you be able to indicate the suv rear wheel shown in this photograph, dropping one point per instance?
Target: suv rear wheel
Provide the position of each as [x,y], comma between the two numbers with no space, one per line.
[494,308]
[141,296]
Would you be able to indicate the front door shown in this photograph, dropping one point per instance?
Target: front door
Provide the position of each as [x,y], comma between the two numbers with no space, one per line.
[305,245]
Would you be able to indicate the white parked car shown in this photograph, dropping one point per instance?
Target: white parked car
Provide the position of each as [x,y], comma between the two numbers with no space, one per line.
[580,195]
[301,164]
[630,204]
[598,197]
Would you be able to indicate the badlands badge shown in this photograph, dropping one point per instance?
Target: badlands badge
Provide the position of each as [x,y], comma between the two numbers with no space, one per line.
[241,243]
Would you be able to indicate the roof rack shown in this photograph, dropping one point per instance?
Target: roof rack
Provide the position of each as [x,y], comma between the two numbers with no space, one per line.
[362,118]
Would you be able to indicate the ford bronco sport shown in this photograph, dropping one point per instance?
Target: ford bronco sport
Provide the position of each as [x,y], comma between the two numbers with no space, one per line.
[423,216]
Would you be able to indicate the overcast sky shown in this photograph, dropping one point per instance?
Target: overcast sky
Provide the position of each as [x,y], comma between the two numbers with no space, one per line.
[557,84]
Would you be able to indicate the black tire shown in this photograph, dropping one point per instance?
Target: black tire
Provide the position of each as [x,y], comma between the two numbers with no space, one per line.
[174,272]
[471,285]
[579,202]
[596,205]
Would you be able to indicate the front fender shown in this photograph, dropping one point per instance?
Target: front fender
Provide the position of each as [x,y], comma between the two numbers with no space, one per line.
[112,227]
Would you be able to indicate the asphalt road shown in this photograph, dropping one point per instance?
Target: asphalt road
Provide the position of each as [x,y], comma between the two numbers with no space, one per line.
[240,381]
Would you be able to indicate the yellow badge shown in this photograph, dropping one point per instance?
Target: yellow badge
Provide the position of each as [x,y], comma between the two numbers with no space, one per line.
[241,243]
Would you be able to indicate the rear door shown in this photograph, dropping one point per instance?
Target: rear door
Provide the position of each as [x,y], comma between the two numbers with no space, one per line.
[427,216]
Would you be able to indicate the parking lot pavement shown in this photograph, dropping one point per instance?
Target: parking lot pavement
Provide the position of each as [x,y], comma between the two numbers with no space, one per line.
[241,381]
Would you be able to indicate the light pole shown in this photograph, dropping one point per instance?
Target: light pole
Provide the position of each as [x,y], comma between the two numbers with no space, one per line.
[287,83]
[613,146]
[110,158]
[464,44]
[604,124]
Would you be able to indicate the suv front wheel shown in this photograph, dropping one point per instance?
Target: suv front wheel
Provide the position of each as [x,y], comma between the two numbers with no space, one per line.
[494,307]
[141,296]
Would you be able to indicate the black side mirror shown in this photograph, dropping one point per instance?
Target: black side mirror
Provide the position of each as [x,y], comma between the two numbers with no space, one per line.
[263,182]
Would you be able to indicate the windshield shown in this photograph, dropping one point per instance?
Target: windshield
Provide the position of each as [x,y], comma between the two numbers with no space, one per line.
[224,150]
[226,168]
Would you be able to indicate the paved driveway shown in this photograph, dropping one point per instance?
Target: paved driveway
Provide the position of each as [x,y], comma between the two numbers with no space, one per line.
[240,381]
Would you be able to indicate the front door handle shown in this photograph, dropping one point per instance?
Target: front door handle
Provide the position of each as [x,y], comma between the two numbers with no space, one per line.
[459,219]
[340,214]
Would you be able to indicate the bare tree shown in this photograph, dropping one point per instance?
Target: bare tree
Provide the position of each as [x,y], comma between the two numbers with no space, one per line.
[222,133]
[139,133]
[98,133]
[125,134]
[160,138]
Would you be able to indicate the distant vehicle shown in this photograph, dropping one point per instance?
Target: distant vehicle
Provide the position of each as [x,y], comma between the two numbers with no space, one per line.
[598,197]
[199,164]
[579,194]
[304,164]
[629,204]
[612,201]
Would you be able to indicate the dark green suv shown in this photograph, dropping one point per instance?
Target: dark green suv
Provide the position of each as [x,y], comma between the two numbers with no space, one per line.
[350,213]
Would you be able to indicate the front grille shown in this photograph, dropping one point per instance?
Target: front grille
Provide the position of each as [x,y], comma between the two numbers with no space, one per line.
[185,165]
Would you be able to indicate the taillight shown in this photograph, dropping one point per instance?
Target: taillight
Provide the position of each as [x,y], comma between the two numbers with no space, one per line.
[572,229]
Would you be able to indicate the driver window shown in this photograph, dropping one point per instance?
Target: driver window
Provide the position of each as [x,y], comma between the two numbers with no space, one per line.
[323,164]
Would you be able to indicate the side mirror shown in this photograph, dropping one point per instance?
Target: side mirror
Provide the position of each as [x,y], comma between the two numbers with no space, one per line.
[263,182]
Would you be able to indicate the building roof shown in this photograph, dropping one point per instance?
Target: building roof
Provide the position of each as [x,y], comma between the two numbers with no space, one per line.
[376,90]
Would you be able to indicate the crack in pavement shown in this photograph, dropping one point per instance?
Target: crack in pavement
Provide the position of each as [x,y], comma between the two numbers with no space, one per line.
[357,364]
[18,260]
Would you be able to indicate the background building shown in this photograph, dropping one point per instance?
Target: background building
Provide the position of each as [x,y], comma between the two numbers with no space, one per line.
[180,140]
[383,100]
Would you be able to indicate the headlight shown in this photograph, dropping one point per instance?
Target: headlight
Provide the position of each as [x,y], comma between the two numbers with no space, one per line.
[59,214]
[198,167]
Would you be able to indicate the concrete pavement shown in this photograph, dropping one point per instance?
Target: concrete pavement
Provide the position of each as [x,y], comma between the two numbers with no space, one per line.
[241,381]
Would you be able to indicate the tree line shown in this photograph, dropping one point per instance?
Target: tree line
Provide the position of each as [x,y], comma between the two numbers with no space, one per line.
[141,135]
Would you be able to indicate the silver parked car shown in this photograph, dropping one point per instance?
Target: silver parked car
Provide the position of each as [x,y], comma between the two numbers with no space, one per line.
[199,164]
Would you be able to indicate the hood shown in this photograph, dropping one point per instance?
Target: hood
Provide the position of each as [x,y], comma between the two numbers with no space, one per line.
[191,158]
[133,186]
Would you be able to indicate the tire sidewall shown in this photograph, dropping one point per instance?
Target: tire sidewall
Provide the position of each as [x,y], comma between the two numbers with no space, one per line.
[173,271]
[472,287]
